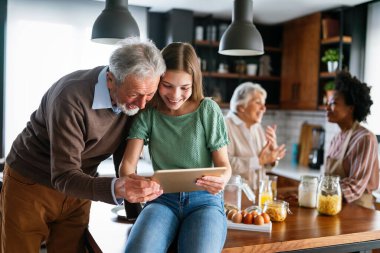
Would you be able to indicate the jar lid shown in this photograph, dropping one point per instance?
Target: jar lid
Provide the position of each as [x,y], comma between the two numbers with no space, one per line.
[235,180]
[331,177]
[309,178]
[276,203]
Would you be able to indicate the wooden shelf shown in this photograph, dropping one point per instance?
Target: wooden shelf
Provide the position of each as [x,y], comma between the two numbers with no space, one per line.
[261,78]
[272,106]
[327,74]
[240,76]
[268,106]
[336,39]
[273,49]
[224,105]
[221,75]
[208,43]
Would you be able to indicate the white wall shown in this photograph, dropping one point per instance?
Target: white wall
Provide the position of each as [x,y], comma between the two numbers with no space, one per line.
[45,40]
[372,62]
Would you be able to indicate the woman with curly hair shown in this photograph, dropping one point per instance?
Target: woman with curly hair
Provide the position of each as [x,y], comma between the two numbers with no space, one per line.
[353,153]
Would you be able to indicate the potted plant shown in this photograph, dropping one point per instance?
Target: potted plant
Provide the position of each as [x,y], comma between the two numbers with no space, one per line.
[329,88]
[331,57]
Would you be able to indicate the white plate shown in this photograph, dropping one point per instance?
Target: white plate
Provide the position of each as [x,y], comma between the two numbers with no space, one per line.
[267,228]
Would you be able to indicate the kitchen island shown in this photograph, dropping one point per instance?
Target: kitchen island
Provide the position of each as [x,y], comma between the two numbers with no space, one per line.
[354,229]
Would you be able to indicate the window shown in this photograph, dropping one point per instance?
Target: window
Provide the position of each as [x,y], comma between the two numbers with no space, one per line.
[45,41]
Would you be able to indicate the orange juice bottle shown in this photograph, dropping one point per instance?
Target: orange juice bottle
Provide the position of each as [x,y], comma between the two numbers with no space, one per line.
[264,197]
[265,193]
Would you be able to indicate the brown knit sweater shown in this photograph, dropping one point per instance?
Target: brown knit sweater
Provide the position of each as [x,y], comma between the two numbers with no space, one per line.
[65,139]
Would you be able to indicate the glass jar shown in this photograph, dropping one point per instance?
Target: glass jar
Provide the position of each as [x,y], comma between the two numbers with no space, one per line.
[307,191]
[277,210]
[265,191]
[232,192]
[329,198]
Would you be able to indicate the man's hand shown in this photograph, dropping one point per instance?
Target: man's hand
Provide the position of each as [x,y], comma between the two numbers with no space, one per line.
[135,189]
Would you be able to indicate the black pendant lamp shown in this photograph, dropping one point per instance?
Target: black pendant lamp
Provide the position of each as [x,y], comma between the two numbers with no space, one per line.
[241,37]
[114,23]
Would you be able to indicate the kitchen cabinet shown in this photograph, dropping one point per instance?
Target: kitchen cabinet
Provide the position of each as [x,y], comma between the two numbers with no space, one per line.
[222,74]
[300,63]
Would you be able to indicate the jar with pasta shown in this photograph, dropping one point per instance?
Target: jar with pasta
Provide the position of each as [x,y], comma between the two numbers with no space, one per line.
[329,198]
[277,210]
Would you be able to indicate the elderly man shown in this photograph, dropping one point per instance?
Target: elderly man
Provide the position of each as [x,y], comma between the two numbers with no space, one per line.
[49,176]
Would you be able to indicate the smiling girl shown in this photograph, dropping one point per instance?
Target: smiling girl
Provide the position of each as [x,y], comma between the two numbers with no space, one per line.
[183,130]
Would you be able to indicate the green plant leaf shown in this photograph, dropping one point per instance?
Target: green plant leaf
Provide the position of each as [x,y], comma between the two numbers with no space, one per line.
[331,54]
[330,85]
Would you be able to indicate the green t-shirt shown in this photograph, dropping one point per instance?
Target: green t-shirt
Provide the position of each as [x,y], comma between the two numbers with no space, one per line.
[184,141]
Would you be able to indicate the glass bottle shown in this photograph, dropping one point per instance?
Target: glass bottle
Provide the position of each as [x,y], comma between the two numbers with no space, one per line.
[265,192]
[307,191]
[329,198]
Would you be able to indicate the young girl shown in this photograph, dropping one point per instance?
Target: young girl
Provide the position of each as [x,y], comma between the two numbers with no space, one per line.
[183,130]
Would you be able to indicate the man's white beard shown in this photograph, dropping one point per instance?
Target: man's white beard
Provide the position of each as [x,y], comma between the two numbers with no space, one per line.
[129,112]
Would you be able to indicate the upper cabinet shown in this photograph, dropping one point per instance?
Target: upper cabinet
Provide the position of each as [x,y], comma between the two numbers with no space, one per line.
[314,48]
[300,63]
[222,74]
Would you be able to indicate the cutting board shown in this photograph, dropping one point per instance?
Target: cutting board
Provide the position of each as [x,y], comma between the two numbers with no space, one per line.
[306,143]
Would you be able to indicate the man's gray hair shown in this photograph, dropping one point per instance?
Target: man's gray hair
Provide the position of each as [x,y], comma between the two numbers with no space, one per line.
[243,93]
[136,57]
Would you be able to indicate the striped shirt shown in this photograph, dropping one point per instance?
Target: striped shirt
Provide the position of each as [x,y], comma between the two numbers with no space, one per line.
[360,162]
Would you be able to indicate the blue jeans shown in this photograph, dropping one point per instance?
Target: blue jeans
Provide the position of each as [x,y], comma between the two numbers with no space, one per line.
[195,219]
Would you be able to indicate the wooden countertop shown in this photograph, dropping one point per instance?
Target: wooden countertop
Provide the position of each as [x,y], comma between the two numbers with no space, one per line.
[304,229]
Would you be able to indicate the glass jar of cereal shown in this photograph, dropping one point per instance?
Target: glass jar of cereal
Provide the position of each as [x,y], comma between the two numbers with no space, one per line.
[329,197]
[277,210]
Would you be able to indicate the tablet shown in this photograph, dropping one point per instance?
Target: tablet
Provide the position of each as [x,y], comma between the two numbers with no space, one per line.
[183,180]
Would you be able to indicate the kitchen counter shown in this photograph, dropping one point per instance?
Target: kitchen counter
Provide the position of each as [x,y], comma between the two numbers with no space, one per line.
[295,172]
[354,229]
